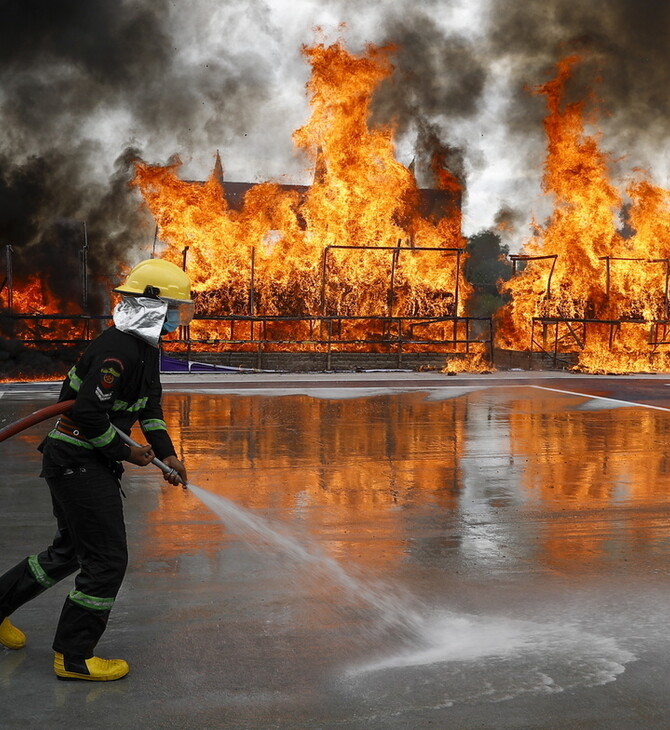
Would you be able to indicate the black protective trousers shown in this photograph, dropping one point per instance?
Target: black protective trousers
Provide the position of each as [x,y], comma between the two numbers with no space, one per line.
[91,537]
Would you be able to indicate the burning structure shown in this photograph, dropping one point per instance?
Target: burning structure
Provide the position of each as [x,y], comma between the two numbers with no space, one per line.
[360,260]
[363,260]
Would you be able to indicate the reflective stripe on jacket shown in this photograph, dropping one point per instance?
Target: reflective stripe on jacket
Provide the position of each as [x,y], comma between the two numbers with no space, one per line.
[116,381]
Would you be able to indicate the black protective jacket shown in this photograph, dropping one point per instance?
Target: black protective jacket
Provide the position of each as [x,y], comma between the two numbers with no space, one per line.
[116,381]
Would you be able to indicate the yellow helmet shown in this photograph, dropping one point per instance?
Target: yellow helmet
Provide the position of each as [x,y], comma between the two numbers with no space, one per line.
[157,278]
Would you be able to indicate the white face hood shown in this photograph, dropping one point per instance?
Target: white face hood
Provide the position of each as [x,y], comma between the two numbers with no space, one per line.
[142,317]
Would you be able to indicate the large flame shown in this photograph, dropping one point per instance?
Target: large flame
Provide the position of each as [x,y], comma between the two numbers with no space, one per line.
[580,266]
[353,244]
[360,244]
[41,315]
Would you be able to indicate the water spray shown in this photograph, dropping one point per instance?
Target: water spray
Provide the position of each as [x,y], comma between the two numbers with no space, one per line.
[401,616]
[422,637]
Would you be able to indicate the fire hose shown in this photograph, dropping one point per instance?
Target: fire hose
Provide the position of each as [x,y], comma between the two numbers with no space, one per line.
[168,470]
[56,409]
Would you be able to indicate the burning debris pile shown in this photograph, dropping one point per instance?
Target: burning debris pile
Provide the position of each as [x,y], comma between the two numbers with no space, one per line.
[589,287]
[358,244]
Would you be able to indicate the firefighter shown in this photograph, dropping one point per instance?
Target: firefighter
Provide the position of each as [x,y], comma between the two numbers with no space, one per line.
[115,383]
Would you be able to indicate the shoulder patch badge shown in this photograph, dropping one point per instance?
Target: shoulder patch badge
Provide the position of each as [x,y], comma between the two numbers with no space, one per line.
[110,372]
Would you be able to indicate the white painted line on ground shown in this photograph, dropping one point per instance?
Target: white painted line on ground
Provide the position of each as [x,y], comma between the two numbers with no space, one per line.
[32,391]
[631,403]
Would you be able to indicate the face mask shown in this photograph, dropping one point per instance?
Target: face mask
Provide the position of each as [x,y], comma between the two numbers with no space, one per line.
[142,317]
[171,321]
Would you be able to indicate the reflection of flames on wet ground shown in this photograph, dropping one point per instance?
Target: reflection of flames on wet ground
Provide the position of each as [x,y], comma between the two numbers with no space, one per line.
[364,260]
[580,472]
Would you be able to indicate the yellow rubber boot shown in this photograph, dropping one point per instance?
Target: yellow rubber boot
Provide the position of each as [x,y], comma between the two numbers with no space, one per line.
[10,636]
[93,669]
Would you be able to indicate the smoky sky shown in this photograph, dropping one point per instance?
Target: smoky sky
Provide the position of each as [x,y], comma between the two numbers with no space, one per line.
[444,77]
[87,87]
[63,64]
[625,59]
[437,76]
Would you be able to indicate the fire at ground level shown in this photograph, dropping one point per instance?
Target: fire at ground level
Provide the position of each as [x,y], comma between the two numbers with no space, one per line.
[518,525]
[40,346]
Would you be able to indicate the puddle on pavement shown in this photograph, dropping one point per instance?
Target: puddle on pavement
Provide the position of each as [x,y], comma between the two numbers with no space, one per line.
[348,470]
[443,497]
[516,526]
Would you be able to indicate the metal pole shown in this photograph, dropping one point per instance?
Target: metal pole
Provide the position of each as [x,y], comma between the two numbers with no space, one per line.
[399,330]
[10,278]
[153,248]
[330,345]
[556,333]
[252,303]
[456,292]
[391,295]
[491,339]
[458,276]
[84,271]
[324,263]
[253,281]
[532,342]
[551,273]
[185,331]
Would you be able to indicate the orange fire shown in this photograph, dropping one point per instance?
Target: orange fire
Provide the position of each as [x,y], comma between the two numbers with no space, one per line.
[360,245]
[348,481]
[33,298]
[580,266]
[353,244]
[477,361]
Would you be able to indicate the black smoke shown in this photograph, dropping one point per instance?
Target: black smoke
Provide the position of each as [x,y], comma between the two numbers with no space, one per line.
[438,77]
[442,78]
[625,63]
[68,71]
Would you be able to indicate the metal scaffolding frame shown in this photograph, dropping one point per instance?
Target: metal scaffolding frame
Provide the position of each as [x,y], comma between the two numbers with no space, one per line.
[515,258]
[573,328]
[330,334]
[326,332]
[395,255]
[549,333]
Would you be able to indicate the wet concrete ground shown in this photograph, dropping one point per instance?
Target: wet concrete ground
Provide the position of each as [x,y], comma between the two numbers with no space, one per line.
[421,551]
